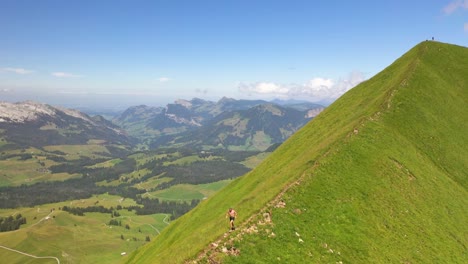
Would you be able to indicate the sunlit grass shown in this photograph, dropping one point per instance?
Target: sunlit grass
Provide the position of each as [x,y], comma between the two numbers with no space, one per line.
[382,178]
[106,164]
[188,192]
[254,161]
[78,239]
[76,151]
[152,182]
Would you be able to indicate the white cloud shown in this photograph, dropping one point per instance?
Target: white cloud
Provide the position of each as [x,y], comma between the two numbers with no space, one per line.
[319,84]
[164,79]
[454,5]
[65,75]
[315,89]
[269,88]
[17,70]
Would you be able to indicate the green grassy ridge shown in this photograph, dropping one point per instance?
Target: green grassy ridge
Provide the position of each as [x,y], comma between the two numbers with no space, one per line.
[371,184]
[438,124]
[385,218]
[395,192]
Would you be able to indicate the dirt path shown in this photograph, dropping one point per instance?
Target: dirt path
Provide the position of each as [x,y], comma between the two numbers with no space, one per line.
[40,220]
[214,248]
[29,255]
[165,219]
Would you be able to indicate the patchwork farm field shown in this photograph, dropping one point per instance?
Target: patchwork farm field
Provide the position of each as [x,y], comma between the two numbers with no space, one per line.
[97,210]
[51,231]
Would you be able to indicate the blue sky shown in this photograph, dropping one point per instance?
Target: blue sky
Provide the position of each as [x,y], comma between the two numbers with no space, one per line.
[122,53]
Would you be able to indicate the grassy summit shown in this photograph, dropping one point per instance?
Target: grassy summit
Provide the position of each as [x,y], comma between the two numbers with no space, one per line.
[380,176]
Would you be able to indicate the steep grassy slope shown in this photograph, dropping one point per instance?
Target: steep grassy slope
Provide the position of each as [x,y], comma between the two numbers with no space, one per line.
[379,177]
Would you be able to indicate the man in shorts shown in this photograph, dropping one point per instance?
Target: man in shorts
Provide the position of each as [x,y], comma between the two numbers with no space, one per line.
[232,216]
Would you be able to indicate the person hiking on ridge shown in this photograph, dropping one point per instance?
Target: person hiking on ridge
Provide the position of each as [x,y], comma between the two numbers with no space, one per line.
[232,216]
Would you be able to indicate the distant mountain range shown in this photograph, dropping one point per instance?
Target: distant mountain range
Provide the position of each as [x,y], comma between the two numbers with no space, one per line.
[228,123]
[34,124]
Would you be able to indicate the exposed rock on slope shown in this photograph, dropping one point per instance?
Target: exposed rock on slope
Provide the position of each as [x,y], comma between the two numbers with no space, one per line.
[35,124]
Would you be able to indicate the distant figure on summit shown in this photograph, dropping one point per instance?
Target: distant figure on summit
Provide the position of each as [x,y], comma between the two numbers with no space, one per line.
[232,216]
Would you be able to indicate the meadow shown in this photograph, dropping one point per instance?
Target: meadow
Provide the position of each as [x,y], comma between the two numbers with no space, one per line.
[90,239]
[54,233]
[78,239]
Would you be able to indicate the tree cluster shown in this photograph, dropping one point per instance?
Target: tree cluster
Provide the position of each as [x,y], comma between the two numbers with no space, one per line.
[199,172]
[71,189]
[11,223]
[115,222]
[154,206]
[90,209]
